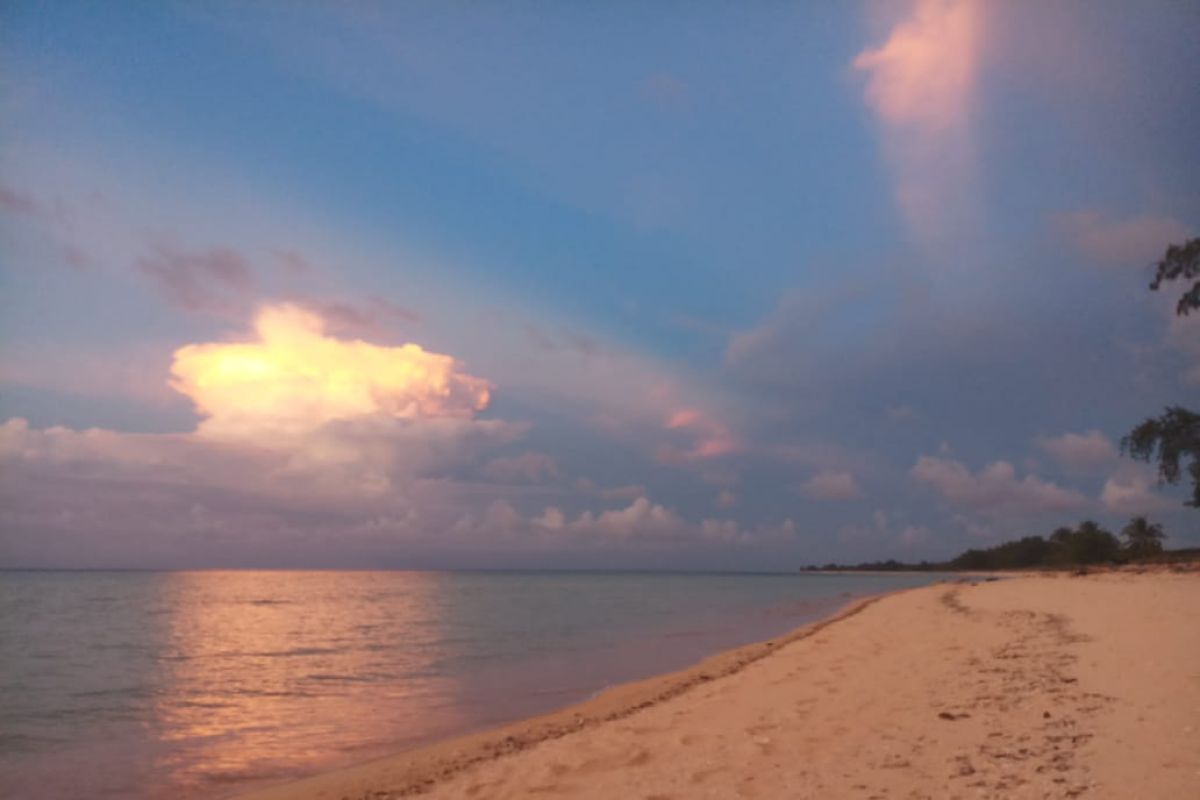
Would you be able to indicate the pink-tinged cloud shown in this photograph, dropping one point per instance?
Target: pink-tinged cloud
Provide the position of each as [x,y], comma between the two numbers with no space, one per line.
[294,263]
[701,436]
[19,203]
[373,317]
[56,218]
[1080,451]
[995,489]
[214,280]
[1131,491]
[1131,242]
[921,83]
[641,518]
[644,520]
[292,377]
[531,467]
[832,485]
[292,415]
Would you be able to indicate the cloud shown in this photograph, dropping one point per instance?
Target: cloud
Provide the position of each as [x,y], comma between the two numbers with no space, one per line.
[699,436]
[1131,242]
[995,489]
[57,218]
[831,485]
[293,418]
[649,522]
[373,317]
[528,467]
[1080,451]
[1131,491]
[19,203]
[920,84]
[643,403]
[209,280]
[640,518]
[294,263]
[291,377]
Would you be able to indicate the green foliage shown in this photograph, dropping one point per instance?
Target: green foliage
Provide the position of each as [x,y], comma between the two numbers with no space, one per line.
[1087,544]
[1032,551]
[1143,538]
[1175,438]
[1091,544]
[1181,262]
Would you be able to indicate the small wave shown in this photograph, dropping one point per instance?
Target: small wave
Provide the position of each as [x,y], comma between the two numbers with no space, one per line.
[297,651]
[336,678]
[205,704]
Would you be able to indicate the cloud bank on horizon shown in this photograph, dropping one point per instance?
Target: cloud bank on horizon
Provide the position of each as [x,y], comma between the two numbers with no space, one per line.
[457,287]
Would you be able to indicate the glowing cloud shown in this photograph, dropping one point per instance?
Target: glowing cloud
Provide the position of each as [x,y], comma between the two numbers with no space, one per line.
[707,437]
[293,378]
[920,84]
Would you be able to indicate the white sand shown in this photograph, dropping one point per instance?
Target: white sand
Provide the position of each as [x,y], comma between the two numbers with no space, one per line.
[1032,687]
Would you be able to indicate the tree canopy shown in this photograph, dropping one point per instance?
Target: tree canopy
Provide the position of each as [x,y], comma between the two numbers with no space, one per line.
[1174,437]
[1088,543]
[1181,262]
[1065,548]
[1143,538]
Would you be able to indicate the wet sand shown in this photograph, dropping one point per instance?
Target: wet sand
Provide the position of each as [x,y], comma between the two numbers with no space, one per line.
[1037,686]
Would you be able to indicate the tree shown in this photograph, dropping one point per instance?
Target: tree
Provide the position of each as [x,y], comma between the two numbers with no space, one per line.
[1172,438]
[1087,544]
[1143,538]
[1181,261]
[1092,544]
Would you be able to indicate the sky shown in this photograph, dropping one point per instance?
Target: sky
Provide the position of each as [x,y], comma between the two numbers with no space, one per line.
[616,285]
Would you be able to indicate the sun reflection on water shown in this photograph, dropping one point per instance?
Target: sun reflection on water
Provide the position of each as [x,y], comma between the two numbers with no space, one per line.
[243,648]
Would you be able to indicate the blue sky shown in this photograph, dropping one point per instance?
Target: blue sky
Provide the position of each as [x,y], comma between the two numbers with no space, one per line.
[748,286]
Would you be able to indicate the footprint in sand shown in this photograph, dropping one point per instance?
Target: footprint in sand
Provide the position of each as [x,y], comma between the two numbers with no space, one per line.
[703,775]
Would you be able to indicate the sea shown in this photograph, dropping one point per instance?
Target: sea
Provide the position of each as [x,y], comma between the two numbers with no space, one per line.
[201,685]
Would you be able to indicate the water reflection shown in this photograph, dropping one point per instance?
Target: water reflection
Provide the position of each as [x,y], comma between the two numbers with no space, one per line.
[265,672]
[198,685]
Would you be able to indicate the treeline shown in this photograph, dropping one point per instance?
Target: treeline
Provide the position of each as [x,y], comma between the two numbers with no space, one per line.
[1088,543]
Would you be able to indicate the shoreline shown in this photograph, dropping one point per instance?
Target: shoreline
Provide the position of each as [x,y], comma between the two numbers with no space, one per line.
[1044,685]
[413,772]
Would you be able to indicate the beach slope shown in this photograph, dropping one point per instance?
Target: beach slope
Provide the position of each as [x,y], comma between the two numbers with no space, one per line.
[1043,686]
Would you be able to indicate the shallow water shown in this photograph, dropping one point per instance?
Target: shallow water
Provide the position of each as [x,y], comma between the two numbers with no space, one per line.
[203,684]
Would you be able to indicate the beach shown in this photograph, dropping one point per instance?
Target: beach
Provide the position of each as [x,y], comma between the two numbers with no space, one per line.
[1033,686]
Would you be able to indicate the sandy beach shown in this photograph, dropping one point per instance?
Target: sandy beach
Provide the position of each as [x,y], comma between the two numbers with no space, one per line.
[1034,686]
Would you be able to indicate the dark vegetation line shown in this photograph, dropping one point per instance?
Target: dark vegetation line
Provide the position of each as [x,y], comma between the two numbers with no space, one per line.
[1172,439]
[1141,542]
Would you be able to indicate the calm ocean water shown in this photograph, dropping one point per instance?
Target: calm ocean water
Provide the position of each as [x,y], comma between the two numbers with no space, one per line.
[204,684]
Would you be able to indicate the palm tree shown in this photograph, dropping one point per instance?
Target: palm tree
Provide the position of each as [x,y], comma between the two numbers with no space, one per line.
[1143,538]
